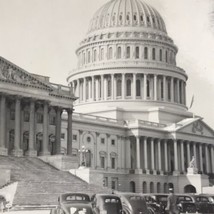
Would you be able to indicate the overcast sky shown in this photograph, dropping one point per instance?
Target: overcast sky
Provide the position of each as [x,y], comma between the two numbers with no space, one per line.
[41,36]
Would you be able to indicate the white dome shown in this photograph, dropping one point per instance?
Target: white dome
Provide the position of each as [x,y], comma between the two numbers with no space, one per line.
[127,13]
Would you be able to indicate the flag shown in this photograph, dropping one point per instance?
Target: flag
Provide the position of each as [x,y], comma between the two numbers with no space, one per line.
[192,101]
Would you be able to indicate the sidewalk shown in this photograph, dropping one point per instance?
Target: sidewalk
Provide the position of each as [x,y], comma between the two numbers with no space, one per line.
[29,212]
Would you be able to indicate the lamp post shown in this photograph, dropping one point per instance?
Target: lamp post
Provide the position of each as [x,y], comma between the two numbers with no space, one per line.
[83,152]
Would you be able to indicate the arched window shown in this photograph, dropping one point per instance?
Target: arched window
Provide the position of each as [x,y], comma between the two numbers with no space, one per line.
[119,87]
[160,55]
[128,87]
[132,186]
[148,88]
[141,18]
[89,56]
[158,187]
[153,53]
[138,86]
[127,17]
[144,187]
[109,88]
[145,53]
[151,187]
[119,53]
[135,18]
[110,53]
[137,53]
[166,56]
[95,55]
[128,52]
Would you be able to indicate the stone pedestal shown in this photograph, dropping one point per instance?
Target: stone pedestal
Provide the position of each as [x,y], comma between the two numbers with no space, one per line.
[44,153]
[4,151]
[176,173]
[147,171]
[17,153]
[31,153]
[138,171]
[192,171]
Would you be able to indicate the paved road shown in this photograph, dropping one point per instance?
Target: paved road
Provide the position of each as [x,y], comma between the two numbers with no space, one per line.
[30,212]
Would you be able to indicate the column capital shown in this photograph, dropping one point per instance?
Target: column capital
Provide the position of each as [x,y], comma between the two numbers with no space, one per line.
[70,110]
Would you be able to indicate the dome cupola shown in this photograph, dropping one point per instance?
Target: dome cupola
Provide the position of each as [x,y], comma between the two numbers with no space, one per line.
[127,13]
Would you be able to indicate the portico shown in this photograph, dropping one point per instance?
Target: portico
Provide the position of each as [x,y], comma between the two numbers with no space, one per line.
[30,113]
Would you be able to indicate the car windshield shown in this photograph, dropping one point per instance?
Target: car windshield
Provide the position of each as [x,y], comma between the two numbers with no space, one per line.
[184,199]
[137,201]
[75,197]
[112,204]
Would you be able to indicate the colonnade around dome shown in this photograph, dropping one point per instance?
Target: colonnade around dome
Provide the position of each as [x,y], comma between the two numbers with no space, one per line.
[130,86]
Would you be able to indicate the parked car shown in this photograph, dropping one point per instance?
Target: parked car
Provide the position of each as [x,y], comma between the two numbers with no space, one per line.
[134,203]
[186,203]
[158,200]
[153,205]
[203,203]
[73,203]
[106,204]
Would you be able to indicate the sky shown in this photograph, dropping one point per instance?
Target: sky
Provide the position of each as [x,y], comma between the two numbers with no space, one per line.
[41,36]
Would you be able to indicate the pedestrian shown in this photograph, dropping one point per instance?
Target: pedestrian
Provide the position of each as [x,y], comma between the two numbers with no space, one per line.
[172,207]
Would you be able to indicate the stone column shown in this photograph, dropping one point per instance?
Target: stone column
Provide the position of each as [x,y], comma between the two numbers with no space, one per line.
[128,154]
[134,86]
[201,158]
[102,87]
[145,86]
[112,86]
[17,140]
[195,153]
[138,168]
[145,155]
[123,86]
[182,156]
[69,132]
[105,88]
[3,149]
[58,129]
[155,87]
[159,156]
[178,91]
[78,90]
[175,157]
[164,89]
[207,159]
[166,156]
[45,139]
[92,88]
[188,152]
[31,150]
[172,90]
[152,156]
[212,158]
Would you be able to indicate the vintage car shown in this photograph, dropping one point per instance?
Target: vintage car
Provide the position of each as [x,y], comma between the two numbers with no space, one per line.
[203,203]
[134,203]
[106,204]
[186,203]
[73,203]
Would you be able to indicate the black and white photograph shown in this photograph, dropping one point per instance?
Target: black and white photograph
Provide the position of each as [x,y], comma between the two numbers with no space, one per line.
[106,106]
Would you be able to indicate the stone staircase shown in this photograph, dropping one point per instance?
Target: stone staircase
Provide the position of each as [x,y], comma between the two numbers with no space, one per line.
[40,184]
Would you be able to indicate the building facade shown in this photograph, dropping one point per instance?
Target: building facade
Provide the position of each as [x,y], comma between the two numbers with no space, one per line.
[31,113]
[131,115]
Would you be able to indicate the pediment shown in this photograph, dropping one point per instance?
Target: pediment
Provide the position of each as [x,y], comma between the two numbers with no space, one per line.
[9,72]
[197,127]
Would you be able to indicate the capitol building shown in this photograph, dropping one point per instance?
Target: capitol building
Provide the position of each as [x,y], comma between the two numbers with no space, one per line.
[131,113]
[123,118]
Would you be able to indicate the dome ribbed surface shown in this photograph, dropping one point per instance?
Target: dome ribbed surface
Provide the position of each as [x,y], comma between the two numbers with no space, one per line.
[127,13]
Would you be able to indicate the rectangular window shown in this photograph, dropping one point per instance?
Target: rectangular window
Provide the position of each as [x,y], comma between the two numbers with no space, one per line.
[63,136]
[113,142]
[52,120]
[113,184]
[113,163]
[105,182]
[102,162]
[103,140]
[75,137]
[26,116]
[12,114]
[39,118]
